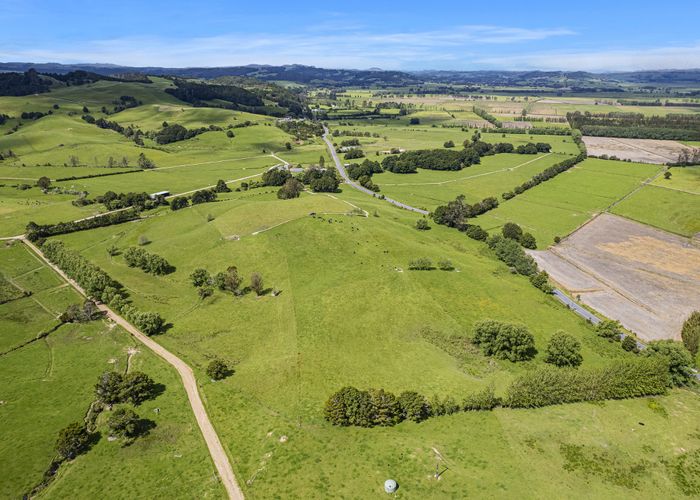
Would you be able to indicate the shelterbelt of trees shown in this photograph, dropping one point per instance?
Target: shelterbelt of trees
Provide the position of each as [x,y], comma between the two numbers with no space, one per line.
[682,127]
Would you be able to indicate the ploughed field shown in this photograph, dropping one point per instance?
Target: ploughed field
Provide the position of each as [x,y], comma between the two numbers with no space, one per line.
[643,277]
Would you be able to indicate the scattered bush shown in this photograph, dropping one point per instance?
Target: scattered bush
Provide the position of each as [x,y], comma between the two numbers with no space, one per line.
[609,329]
[81,314]
[222,187]
[203,196]
[217,369]
[420,264]
[414,406]
[676,356]
[476,232]
[510,252]
[629,344]
[528,241]
[257,283]
[504,340]
[148,262]
[445,265]
[563,350]
[541,281]
[512,230]
[484,400]
[200,277]
[422,225]
[353,154]
[179,202]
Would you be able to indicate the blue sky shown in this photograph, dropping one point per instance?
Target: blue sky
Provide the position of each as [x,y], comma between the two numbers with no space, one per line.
[590,35]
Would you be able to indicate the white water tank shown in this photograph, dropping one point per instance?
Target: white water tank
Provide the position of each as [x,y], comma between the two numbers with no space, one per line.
[390,486]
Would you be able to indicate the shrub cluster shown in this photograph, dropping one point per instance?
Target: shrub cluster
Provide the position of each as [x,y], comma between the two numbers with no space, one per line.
[514,232]
[81,314]
[501,340]
[175,133]
[456,212]
[149,262]
[203,196]
[142,201]
[320,180]
[35,231]
[510,252]
[134,387]
[431,159]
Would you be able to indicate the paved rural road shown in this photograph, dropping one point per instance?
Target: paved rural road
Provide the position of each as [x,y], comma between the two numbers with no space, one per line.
[216,450]
[585,313]
[341,168]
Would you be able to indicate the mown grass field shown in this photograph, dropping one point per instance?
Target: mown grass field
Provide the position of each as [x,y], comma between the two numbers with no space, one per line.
[669,209]
[558,206]
[425,137]
[494,175]
[52,384]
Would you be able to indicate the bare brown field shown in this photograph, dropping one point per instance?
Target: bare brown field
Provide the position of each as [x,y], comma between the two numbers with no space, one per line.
[637,150]
[646,278]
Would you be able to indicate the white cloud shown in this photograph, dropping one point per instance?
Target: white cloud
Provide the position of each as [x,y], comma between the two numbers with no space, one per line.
[607,60]
[320,45]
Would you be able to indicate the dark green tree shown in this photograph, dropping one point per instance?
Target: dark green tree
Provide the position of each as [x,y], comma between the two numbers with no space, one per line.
[414,406]
[680,361]
[200,277]
[43,182]
[512,230]
[124,423]
[108,388]
[217,369]
[137,387]
[563,350]
[73,440]
[691,333]
[609,329]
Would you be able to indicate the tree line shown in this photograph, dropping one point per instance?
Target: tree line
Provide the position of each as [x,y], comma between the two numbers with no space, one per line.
[637,125]
[544,386]
[35,232]
[100,286]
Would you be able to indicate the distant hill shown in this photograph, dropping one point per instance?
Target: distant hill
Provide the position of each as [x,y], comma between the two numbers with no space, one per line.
[310,75]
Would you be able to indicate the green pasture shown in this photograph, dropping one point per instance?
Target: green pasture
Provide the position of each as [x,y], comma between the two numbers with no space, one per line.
[560,205]
[52,384]
[17,208]
[669,209]
[682,178]
[413,137]
[494,175]
[348,313]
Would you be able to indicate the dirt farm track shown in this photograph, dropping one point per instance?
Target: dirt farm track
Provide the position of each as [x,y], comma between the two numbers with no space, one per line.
[646,278]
